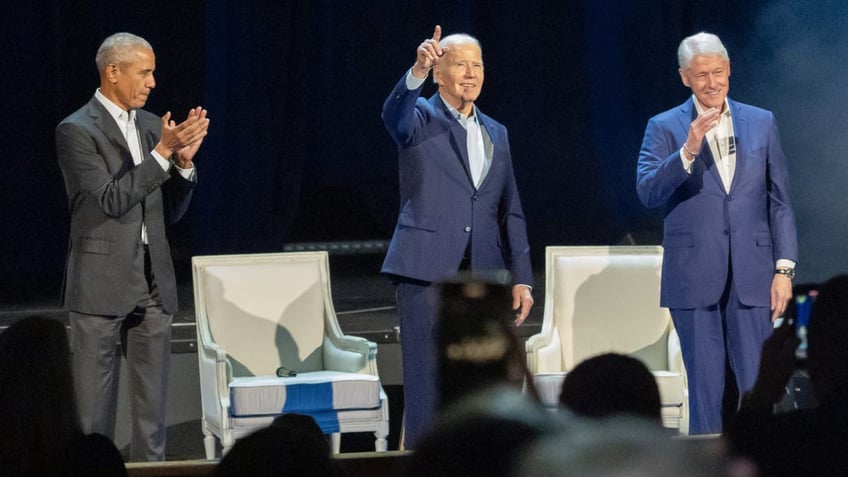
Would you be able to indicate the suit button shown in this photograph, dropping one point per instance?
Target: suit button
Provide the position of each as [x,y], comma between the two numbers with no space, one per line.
[726,232]
[474,197]
[468,229]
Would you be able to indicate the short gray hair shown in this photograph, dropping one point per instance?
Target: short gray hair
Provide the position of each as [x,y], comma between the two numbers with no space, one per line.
[702,43]
[459,39]
[116,49]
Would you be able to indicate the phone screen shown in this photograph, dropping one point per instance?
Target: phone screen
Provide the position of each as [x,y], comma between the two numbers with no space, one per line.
[803,308]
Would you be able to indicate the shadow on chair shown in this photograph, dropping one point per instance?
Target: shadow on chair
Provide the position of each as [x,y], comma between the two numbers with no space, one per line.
[606,299]
[257,313]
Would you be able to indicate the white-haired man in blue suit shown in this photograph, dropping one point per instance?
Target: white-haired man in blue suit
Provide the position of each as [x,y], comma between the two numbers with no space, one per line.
[717,168]
[459,205]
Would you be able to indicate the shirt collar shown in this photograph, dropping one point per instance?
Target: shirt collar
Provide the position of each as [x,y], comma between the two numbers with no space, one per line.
[456,114]
[114,110]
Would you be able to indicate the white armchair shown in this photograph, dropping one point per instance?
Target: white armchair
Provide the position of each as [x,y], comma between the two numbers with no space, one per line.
[601,299]
[260,312]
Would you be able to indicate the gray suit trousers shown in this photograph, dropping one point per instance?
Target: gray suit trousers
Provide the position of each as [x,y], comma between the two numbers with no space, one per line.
[145,339]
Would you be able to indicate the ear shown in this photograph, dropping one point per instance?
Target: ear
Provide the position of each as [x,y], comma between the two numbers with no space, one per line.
[437,75]
[683,78]
[112,72]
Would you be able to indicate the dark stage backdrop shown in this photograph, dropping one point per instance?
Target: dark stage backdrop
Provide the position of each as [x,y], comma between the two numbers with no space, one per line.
[297,151]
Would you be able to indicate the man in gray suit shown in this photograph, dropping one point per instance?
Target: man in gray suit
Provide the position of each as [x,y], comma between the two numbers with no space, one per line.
[126,172]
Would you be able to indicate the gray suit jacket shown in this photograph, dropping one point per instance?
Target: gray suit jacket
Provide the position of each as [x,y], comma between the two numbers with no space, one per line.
[109,198]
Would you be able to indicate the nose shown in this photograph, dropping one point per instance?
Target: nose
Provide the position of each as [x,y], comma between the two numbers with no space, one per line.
[151,82]
[713,81]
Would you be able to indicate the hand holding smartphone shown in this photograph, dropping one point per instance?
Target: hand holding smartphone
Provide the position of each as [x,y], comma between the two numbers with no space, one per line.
[801,322]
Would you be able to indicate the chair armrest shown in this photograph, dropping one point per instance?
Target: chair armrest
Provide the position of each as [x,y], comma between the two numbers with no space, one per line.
[214,368]
[544,352]
[352,354]
[675,355]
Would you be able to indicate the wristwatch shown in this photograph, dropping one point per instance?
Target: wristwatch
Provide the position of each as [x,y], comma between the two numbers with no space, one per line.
[789,272]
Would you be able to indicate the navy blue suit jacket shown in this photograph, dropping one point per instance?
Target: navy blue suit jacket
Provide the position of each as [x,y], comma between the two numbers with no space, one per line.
[440,210]
[706,229]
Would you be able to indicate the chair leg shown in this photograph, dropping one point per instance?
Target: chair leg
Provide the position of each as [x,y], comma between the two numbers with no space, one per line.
[227,442]
[209,445]
[402,441]
[336,442]
[380,445]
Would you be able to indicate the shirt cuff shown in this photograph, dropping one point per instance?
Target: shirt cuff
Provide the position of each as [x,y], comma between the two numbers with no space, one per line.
[163,163]
[687,164]
[188,174]
[412,82]
[785,263]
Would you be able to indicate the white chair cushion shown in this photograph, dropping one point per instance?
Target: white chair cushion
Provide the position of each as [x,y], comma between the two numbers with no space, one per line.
[670,385]
[311,392]
[549,387]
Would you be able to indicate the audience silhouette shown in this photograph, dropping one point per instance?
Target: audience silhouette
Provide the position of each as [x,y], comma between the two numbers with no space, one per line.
[806,441]
[619,446]
[610,384]
[484,416]
[293,445]
[476,345]
[41,433]
[483,434]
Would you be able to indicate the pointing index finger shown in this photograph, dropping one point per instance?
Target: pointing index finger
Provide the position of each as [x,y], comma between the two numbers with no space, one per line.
[437,35]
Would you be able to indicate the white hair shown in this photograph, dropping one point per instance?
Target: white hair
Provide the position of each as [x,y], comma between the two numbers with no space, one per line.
[459,39]
[702,43]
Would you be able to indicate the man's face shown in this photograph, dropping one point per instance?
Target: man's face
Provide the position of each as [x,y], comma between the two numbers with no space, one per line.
[709,79]
[132,80]
[460,75]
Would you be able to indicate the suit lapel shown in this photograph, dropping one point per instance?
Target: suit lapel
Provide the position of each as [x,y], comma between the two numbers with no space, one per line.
[689,113]
[707,158]
[489,125]
[145,133]
[107,125]
[489,128]
[739,125]
[458,134]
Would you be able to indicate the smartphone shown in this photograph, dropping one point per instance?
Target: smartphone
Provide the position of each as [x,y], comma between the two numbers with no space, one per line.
[801,322]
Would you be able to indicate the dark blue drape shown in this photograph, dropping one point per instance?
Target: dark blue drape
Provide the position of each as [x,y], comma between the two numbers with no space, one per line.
[297,150]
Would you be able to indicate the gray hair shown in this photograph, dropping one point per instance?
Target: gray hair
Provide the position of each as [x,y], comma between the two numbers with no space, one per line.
[617,446]
[116,49]
[702,43]
[458,39]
